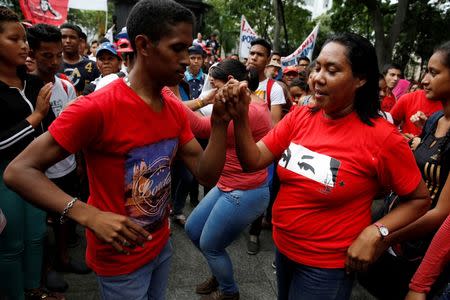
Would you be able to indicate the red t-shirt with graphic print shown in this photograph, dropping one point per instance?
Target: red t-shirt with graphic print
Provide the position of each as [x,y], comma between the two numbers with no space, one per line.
[330,171]
[128,149]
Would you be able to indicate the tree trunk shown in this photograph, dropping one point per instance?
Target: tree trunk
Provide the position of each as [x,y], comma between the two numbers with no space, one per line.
[384,45]
[277,29]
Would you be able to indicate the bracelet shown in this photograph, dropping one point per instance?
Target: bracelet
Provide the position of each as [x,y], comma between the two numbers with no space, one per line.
[69,205]
[199,103]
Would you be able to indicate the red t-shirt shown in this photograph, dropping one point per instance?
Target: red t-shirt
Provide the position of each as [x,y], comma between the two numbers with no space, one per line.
[408,105]
[232,176]
[128,149]
[387,103]
[330,171]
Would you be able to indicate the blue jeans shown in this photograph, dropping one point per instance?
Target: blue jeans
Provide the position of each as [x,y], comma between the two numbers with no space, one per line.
[297,281]
[21,243]
[217,221]
[148,282]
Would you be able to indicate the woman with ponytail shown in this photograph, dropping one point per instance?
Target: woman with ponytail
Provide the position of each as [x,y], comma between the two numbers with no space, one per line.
[237,199]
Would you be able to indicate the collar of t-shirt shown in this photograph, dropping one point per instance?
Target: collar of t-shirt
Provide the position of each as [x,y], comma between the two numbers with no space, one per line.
[190,77]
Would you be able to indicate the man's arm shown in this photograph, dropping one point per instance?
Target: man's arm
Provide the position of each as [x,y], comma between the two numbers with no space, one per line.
[25,175]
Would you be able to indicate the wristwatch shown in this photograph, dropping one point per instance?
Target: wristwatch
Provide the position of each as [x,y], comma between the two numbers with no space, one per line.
[384,231]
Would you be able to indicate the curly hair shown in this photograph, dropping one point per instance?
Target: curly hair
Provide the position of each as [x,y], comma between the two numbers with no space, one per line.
[42,33]
[7,15]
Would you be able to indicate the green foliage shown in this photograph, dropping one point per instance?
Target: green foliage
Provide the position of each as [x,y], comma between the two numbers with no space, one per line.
[225,17]
[92,22]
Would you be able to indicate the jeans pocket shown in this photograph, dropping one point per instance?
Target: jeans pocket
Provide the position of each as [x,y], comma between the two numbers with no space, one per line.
[234,197]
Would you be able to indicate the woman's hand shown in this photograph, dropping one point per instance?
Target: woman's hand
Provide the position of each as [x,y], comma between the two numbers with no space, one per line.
[237,97]
[119,231]
[415,296]
[209,98]
[418,119]
[365,250]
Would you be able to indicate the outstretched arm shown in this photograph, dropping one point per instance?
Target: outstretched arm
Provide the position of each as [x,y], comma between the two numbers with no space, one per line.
[27,170]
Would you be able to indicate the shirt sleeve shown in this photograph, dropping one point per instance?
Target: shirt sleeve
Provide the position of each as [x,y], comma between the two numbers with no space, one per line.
[200,126]
[401,175]
[436,258]
[278,139]
[78,126]
[277,95]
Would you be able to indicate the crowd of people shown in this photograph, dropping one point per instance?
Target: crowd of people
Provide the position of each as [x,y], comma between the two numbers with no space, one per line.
[116,137]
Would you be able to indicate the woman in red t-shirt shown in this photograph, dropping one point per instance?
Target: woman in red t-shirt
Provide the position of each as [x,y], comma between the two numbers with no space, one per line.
[335,157]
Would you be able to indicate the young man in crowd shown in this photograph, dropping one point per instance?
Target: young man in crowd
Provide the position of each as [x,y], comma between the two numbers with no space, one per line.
[392,74]
[76,67]
[303,63]
[269,90]
[130,133]
[272,69]
[194,75]
[290,73]
[46,49]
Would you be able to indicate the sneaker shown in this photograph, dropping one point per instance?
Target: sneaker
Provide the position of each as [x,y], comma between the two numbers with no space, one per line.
[40,293]
[179,219]
[253,244]
[207,287]
[219,295]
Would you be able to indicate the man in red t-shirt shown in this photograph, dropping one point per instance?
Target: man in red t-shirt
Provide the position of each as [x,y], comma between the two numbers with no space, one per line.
[392,74]
[408,105]
[130,133]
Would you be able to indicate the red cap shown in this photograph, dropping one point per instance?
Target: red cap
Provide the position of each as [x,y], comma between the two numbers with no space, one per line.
[290,69]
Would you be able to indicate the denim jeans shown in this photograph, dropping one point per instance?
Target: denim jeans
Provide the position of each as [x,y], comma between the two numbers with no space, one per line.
[217,221]
[297,281]
[21,243]
[148,282]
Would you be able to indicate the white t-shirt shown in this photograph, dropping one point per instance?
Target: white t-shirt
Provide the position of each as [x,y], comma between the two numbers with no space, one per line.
[276,94]
[62,94]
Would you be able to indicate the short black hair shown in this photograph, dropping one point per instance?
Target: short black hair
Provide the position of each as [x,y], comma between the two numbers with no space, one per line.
[300,83]
[236,69]
[154,18]
[42,33]
[275,53]
[7,15]
[265,43]
[389,66]
[74,27]
[304,58]
[83,36]
[362,57]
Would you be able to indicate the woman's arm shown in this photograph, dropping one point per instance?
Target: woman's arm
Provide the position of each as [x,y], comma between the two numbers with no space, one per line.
[436,258]
[200,126]
[429,222]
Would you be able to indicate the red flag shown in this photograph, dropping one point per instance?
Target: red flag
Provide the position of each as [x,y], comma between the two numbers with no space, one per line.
[52,12]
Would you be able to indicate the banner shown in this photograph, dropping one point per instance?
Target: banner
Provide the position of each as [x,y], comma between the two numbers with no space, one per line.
[89,4]
[305,49]
[52,12]
[245,38]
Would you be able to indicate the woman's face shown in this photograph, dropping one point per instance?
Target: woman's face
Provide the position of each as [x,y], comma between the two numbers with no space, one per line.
[216,83]
[333,83]
[296,93]
[13,42]
[436,80]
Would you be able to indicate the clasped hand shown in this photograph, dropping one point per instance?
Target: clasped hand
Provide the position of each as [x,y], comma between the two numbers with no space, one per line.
[232,101]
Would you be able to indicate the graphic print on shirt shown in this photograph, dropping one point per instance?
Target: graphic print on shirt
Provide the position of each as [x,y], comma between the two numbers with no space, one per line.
[315,166]
[147,183]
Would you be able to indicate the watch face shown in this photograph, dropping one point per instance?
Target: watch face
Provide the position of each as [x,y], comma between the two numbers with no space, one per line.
[384,231]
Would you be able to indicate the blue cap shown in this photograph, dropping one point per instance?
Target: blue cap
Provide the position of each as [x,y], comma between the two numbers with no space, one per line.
[196,49]
[107,46]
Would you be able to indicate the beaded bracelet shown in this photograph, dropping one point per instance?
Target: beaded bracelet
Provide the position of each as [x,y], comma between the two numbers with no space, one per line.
[69,205]
[199,103]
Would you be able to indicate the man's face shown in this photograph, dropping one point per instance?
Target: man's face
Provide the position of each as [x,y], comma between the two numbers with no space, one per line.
[169,56]
[392,77]
[302,65]
[93,48]
[258,58]
[108,63]
[70,40]
[195,63]
[272,71]
[277,58]
[48,57]
[288,77]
